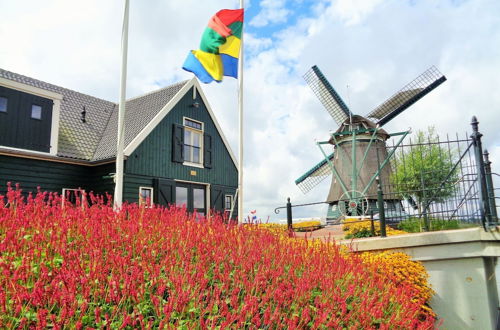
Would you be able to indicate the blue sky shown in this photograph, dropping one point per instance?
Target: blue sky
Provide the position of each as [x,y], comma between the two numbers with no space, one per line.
[373,46]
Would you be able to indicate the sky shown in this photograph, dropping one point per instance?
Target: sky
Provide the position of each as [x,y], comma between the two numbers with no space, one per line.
[368,49]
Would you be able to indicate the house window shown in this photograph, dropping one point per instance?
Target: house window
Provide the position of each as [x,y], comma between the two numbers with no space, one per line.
[193,142]
[181,196]
[72,196]
[36,111]
[146,196]
[3,104]
[228,202]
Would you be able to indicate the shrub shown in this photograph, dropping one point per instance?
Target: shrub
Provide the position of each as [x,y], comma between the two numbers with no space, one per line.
[415,225]
[80,267]
[359,229]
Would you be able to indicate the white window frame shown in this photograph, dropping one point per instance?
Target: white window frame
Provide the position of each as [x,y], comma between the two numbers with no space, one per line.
[201,132]
[231,204]
[81,191]
[141,201]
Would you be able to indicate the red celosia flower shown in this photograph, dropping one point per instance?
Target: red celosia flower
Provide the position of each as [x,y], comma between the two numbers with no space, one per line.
[92,267]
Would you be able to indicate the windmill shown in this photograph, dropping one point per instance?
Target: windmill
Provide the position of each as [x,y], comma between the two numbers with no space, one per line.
[359,152]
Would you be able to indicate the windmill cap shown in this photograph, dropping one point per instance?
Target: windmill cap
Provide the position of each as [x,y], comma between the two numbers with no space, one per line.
[362,123]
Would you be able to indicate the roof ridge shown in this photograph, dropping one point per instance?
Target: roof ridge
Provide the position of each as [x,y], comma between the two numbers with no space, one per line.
[53,85]
[74,91]
[157,90]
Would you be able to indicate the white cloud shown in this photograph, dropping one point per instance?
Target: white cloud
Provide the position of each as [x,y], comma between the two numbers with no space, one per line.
[373,47]
[273,11]
[354,11]
[254,45]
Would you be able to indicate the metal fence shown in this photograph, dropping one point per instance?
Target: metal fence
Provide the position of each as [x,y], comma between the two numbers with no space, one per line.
[434,182]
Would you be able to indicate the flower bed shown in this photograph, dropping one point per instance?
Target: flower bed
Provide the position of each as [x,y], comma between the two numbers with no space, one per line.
[358,229]
[307,225]
[155,267]
[299,226]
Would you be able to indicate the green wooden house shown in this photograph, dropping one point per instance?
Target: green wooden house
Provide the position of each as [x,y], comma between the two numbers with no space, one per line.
[64,141]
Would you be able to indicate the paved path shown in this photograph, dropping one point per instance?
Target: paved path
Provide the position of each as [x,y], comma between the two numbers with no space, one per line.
[332,232]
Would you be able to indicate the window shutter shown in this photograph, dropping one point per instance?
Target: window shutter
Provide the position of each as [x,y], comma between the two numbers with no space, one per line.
[207,151]
[164,191]
[178,143]
[217,198]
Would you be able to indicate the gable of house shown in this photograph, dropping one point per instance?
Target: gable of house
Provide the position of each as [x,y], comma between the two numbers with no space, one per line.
[160,162]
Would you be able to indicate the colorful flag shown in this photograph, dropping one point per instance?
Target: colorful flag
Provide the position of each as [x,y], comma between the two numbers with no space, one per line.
[219,48]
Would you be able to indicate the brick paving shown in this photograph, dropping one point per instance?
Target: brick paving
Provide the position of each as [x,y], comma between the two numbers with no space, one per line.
[328,232]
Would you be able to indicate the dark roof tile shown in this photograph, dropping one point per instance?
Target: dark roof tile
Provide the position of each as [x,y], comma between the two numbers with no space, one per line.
[96,138]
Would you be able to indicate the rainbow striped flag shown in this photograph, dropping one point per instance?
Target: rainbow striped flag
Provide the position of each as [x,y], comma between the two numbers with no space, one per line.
[219,48]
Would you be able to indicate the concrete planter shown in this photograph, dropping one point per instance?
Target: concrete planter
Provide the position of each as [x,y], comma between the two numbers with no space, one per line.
[461,265]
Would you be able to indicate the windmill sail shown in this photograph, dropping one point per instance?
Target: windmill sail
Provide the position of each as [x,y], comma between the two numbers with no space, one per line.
[315,175]
[327,95]
[407,96]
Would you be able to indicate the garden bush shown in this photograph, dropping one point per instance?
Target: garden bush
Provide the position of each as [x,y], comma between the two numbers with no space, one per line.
[354,228]
[88,266]
[415,225]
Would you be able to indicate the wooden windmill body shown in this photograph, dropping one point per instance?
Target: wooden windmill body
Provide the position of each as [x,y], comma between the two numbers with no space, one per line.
[360,155]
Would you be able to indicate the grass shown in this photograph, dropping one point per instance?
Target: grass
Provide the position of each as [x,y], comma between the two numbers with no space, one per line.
[416,225]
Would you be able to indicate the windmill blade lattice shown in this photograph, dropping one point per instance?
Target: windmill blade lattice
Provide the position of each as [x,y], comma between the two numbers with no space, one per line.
[407,96]
[327,95]
[315,175]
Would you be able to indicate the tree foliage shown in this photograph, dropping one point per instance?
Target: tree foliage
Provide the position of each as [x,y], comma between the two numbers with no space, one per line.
[425,171]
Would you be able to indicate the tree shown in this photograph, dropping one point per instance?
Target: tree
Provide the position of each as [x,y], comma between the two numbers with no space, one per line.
[424,171]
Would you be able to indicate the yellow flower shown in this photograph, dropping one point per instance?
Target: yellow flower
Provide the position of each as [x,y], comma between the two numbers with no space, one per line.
[405,271]
[362,228]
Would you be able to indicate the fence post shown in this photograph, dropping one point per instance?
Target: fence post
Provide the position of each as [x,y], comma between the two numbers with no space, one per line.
[478,152]
[289,214]
[380,205]
[489,186]
[424,199]
[372,224]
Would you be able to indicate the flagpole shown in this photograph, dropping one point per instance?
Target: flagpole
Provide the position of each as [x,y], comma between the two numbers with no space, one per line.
[240,108]
[118,196]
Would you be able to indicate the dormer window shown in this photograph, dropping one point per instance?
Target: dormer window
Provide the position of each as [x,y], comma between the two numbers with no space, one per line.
[27,120]
[29,117]
[36,112]
[3,104]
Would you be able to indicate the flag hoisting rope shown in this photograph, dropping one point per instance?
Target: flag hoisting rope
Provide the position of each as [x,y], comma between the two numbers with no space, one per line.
[221,54]
[118,195]
[240,108]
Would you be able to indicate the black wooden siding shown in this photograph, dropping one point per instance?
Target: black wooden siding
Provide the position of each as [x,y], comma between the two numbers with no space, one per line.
[31,173]
[153,158]
[17,128]
[151,161]
[53,176]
